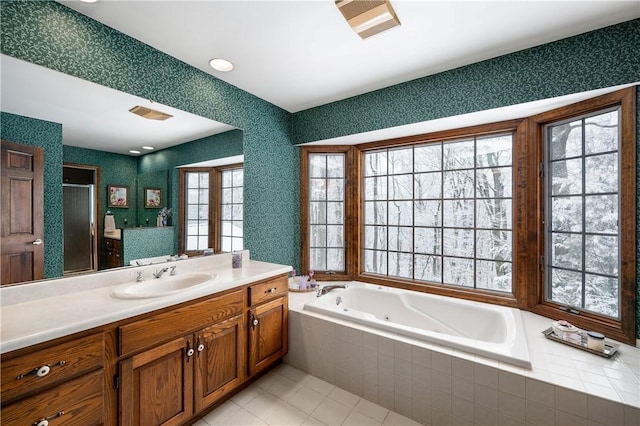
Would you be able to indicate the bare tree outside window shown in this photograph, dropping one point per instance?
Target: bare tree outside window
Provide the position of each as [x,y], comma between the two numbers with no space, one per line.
[582,235]
[441,212]
[326,212]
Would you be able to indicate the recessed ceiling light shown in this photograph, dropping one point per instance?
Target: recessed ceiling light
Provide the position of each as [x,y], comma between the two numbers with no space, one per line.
[148,148]
[89,1]
[133,151]
[221,64]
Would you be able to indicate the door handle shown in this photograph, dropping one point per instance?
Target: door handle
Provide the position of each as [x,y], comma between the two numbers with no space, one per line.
[37,242]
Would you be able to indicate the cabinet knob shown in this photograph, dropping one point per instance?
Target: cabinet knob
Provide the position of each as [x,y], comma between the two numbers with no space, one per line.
[200,347]
[43,422]
[190,352]
[255,322]
[271,290]
[43,371]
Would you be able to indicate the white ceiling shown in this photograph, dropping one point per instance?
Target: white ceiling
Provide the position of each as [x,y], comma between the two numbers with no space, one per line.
[301,54]
[294,54]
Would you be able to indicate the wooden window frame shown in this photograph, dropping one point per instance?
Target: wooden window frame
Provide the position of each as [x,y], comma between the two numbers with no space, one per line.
[213,217]
[218,203]
[513,299]
[623,329]
[215,206]
[351,231]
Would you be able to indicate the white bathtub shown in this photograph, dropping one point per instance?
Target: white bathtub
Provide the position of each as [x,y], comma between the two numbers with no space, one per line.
[478,328]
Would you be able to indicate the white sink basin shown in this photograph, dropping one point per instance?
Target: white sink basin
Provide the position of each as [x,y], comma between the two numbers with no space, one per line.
[165,286]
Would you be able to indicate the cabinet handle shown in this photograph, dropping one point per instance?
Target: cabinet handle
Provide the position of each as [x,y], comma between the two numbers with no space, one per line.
[45,420]
[190,351]
[200,347]
[271,290]
[254,320]
[40,371]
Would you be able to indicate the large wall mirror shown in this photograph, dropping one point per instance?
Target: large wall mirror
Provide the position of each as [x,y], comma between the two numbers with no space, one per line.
[98,131]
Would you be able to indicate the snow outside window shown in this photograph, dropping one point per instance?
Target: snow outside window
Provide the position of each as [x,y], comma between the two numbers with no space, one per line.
[441,212]
[326,212]
[197,210]
[231,206]
[582,233]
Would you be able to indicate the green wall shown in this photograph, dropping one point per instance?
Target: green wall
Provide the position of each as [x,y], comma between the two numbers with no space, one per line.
[46,135]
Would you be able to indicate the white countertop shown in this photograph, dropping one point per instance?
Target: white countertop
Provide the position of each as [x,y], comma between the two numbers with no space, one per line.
[40,311]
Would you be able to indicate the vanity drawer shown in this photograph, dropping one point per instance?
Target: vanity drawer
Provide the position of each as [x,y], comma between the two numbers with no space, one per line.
[76,402]
[178,322]
[268,290]
[55,364]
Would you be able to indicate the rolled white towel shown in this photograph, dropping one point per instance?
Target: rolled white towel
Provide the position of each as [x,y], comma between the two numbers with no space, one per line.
[109,224]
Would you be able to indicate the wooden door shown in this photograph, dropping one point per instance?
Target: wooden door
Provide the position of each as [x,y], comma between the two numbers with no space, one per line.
[220,360]
[268,334]
[22,219]
[157,385]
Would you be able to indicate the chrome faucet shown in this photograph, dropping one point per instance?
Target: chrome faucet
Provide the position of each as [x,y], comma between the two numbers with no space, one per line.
[327,288]
[173,271]
[140,277]
[158,274]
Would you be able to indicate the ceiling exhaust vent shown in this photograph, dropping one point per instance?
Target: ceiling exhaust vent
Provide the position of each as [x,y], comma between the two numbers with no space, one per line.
[368,17]
[150,114]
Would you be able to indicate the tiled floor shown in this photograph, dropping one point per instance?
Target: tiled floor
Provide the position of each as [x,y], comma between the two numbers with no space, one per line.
[288,396]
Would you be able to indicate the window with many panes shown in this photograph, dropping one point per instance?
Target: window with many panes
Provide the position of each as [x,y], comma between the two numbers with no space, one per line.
[197,218]
[326,211]
[231,207]
[211,209]
[582,231]
[441,212]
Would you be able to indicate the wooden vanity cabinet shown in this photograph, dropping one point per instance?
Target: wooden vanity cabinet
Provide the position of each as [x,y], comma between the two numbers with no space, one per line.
[165,384]
[59,384]
[268,323]
[161,368]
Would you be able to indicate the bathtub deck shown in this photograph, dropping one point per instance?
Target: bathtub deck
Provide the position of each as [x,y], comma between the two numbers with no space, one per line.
[433,384]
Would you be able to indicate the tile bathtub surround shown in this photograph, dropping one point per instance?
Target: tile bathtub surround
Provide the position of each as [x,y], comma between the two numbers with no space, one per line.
[288,396]
[436,385]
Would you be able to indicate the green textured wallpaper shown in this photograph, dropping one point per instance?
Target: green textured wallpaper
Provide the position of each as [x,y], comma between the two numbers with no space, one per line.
[51,35]
[138,243]
[46,135]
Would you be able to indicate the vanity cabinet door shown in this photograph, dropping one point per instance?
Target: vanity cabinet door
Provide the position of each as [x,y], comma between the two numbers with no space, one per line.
[267,334]
[220,360]
[157,385]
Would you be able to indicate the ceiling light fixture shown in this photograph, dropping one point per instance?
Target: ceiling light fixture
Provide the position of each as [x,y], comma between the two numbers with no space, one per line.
[133,151]
[89,1]
[220,64]
[148,148]
[368,17]
[150,114]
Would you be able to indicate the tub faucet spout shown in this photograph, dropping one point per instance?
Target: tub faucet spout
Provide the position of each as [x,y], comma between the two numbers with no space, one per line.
[327,288]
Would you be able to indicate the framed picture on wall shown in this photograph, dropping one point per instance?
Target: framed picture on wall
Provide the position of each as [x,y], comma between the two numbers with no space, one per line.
[118,196]
[152,198]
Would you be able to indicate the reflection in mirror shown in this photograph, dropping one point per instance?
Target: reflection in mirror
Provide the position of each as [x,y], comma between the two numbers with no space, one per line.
[79,122]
